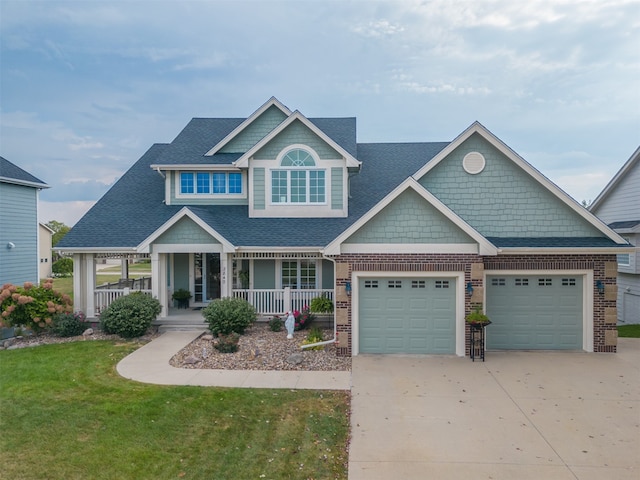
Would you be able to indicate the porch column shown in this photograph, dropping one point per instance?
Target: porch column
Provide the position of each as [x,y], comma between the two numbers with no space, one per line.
[90,282]
[124,267]
[159,281]
[79,290]
[226,273]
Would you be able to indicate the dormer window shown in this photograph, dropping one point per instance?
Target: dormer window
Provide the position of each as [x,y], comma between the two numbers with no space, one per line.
[210,183]
[298,180]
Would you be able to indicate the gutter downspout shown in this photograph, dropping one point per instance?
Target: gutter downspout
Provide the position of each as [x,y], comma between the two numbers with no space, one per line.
[335,324]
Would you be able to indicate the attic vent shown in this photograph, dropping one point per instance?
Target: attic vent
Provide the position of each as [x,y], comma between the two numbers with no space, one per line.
[473,162]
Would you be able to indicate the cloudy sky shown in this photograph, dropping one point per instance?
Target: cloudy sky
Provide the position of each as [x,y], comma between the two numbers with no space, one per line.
[88,86]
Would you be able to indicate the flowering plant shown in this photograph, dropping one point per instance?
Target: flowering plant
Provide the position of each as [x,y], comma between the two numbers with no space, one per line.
[32,306]
[303,318]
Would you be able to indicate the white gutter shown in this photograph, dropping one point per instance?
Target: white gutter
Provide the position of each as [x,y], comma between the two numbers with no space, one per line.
[335,323]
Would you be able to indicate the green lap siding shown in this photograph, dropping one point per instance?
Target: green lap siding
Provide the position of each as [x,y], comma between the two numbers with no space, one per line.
[407,315]
[535,312]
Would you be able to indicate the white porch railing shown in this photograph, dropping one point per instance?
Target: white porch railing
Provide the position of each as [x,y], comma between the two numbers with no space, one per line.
[103,297]
[278,301]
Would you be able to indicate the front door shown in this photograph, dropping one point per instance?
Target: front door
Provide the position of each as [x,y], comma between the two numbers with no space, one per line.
[206,277]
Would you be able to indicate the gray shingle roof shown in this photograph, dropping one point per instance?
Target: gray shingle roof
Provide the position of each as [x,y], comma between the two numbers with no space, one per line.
[626,224]
[11,173]
[553,242]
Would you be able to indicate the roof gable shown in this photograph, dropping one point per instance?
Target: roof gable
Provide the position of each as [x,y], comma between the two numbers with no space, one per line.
[185,224]
[255,127]
[386,213]
[528,202]
[293,119]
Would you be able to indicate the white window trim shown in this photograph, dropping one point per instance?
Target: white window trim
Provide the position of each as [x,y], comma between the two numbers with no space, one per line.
[289,169]
[318,279]
[178,185]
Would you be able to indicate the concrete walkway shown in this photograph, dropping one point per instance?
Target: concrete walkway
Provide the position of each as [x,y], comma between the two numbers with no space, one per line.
[150,364]
[519,415]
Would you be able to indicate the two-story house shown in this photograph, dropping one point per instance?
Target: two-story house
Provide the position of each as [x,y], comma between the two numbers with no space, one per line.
[19,229]
[618,205]
[405,238]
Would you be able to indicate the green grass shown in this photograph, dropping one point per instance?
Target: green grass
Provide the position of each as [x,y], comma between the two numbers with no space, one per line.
[67,414]
[632,331]
[133,267]
[64,285]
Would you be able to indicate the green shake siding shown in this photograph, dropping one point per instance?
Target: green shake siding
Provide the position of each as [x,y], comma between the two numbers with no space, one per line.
[296,133]
[258,189]
[526,207]
[186,231]
[256,131]
[410,219]
[336,188]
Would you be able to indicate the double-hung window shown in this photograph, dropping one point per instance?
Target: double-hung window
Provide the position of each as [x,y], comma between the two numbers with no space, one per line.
[299,274]
[207,183]
[298,180]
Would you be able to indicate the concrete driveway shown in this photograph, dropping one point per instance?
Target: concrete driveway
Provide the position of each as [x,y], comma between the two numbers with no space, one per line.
[519,415]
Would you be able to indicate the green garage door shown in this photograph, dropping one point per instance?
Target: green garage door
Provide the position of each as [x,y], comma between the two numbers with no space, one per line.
[531,312]
[407,315]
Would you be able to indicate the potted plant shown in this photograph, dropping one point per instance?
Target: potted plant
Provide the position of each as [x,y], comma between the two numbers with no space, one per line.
[477,319]
[181,298]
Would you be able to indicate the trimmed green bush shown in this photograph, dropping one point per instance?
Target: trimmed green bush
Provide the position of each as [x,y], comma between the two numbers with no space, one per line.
[227,315]
[228,343]
[69,324]
[130,316]
[276,323]
[63,267]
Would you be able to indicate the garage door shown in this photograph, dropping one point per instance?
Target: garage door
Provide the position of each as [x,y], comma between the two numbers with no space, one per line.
[534,312]
[407,315]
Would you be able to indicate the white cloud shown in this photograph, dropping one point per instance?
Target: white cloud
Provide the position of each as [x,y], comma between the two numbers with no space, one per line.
[378,28]
[66,212]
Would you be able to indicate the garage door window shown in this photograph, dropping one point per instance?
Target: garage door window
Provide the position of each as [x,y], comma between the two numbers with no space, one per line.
[498,282]
[545,282]
[370,284]
[418,284]
[395,284]
[522,282]
[568,282]
[442,283]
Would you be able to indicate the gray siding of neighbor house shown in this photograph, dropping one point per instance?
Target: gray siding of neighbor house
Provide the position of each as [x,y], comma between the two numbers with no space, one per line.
[628,298]
[623,202]
[19,225]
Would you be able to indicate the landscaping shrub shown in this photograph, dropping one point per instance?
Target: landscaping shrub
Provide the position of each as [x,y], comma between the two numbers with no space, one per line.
[130,316]
[315,335]
[63,267]
[321,304]
[32,306]
[227,343]
[303,318]
[69,324]
[227,315]
[275,324]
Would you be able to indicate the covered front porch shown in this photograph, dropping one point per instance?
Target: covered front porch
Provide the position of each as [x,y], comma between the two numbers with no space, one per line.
[273,282]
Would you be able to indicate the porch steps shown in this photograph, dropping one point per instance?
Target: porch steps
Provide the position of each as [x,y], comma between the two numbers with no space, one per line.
[181,320]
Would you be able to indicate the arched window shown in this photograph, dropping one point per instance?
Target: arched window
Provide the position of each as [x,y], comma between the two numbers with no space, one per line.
[297,181]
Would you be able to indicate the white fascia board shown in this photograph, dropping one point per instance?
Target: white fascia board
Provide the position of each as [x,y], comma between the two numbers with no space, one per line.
[269,103]
[565,250]
[256,249]
[185,212]
[408,248]
[478,128]
[95,249]
[190,166]
[484,247]
[24,183]
[615,180]
[243,161]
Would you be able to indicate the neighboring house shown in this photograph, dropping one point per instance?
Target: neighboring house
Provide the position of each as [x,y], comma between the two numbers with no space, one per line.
[618,205]
[405,238]
[19,254]
[45,236]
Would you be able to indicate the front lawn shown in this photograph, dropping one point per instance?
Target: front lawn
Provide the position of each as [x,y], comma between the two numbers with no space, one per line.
[632,331]
[66,413]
